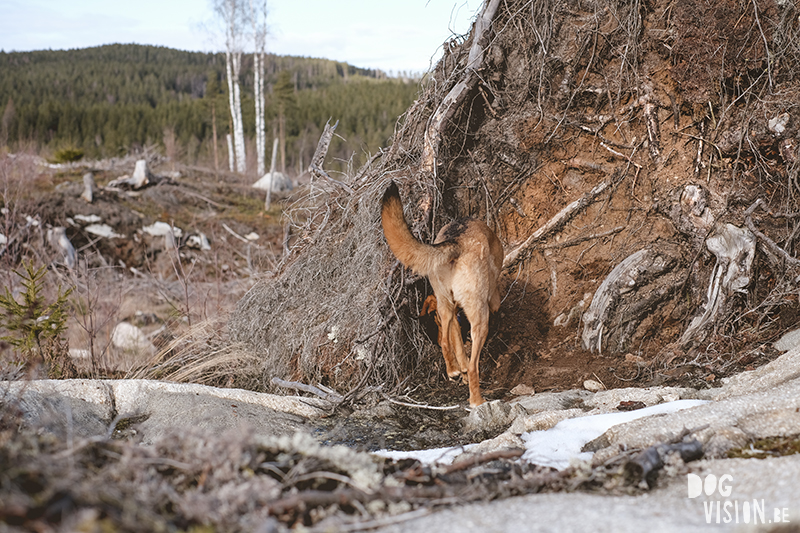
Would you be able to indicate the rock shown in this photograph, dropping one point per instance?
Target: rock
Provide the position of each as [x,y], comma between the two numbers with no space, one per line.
[788,341]
[542,421]
[131,339]
[198,242]
[281,183]
[504,441]
[784,369]
[725,439]
[88,219]
[608,400]
[523,390]
[168,231]
[491,415]
[90,407]
[593,386]
[162,229]
[769,482]
[88,187]
[777,125]
[102,230]
[553,401]
[762,413]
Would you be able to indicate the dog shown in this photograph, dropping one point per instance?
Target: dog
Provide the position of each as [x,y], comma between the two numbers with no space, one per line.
[463,266]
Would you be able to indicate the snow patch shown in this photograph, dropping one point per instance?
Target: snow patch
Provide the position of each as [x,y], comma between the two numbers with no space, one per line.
[562,443]
[439,456]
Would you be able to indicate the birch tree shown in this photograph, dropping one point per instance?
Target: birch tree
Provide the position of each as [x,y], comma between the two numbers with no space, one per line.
[258,18]
[234,18]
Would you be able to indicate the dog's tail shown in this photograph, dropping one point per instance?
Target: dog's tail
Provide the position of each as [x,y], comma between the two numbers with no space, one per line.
[420,257]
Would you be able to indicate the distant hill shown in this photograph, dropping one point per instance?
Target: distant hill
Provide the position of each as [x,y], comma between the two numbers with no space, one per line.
[110,99]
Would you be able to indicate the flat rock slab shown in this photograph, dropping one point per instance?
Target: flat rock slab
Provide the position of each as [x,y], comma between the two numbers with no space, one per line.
[87,408]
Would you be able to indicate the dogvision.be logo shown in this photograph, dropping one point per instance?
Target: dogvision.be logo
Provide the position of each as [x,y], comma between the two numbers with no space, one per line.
[725,511]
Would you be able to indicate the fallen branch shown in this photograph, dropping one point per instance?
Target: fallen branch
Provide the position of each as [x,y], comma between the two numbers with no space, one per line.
[483,458]
[420,405]
[330,396]
[623,156]
[579,162]
[378,522]
[645,465]
[243,239]
[651,120]
[561,218]
[453,99]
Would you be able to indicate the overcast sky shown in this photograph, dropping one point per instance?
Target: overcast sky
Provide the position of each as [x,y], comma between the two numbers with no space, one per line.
[390,35]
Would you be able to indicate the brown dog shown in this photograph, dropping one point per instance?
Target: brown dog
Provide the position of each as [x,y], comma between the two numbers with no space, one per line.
[463,265]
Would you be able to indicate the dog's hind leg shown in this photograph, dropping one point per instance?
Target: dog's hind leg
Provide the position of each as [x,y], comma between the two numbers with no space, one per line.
[479,321]
[446,312]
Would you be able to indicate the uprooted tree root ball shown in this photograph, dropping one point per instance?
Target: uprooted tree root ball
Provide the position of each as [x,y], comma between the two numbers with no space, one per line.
[639,161]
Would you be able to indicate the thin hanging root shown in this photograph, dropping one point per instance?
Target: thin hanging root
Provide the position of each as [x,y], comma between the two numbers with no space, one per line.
[699,160]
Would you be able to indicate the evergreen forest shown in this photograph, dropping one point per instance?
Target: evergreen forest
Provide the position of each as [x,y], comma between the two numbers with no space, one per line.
[112,100]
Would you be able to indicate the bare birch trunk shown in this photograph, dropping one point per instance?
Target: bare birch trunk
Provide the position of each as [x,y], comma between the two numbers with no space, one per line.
[236,110]
[214,135]
[282,134]
[268,202]
[258,67]
[233,57]
[231,157]
[259,21]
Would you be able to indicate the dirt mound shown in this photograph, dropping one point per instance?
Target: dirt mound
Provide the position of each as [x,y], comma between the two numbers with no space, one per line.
[639,162]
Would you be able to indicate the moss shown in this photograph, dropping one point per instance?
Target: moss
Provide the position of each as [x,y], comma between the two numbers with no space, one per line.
[768,447]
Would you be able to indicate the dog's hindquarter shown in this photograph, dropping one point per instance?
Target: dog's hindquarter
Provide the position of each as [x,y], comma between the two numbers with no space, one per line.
[473,274]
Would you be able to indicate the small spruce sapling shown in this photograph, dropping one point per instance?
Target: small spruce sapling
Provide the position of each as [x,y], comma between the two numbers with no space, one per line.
[35,327]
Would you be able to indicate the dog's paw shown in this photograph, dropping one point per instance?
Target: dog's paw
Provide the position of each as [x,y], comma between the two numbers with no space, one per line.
[453,375]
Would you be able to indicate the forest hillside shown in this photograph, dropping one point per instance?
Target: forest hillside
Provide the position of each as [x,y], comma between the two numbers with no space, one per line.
[108,100]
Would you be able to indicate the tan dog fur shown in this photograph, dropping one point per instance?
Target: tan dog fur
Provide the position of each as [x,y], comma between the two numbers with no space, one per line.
[463,265]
